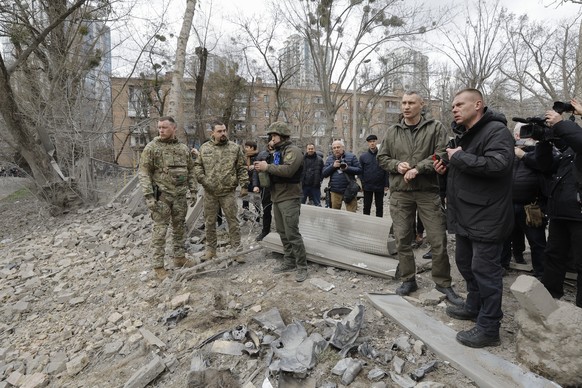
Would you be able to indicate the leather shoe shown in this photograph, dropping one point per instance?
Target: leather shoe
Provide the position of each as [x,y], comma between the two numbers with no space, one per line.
[427,255]
[520,260]
[451,295]
[461,313]
[477,338]
[406,288]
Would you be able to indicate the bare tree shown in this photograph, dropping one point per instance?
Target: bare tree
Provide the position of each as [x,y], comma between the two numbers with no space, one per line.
[342,34]
[543,60]
[43,86]
[175,107]
[477,47]
[261,36]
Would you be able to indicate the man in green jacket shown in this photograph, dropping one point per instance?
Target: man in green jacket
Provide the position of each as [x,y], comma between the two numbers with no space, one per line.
[285,167]
[166,174]
[407,154]
[220,167]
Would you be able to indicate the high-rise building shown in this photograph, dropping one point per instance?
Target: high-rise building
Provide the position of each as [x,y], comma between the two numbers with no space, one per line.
[407,70]
[297,60]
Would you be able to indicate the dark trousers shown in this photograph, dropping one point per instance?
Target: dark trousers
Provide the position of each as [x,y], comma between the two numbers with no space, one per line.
[564,239]
[267,206]
[480,265]
[313,192]
[378,197]
[536,237]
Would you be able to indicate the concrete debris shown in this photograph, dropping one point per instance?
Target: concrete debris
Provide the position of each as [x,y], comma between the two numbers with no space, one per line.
[270,320]
[544,322]
[376,374]
[321,284]
[151,339]
[175,316]
[146,374]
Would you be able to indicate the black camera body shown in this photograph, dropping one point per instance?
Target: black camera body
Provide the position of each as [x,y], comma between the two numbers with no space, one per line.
[536,127]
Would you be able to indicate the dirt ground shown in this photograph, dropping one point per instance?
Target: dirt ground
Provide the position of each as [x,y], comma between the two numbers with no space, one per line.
[220,300]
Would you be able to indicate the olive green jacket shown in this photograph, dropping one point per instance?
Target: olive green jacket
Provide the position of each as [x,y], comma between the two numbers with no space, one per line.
[415,147]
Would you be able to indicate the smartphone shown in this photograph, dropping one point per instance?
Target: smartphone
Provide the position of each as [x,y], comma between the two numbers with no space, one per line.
[438,159]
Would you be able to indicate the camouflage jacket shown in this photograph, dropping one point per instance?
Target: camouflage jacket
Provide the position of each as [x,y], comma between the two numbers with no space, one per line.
[168,165]
[220,168]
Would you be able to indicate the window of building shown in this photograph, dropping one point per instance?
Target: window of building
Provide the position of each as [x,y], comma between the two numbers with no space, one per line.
[318,100]
[267,113]
[266,98]
[138,136]
[345,117]
[138,105]
[253,113]
[253,127]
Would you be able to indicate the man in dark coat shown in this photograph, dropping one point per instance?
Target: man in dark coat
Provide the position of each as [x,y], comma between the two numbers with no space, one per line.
[374,178]
[311,177]
[564,201]
[479,211]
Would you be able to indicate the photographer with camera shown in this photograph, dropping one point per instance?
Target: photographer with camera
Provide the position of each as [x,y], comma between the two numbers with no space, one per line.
[341,167]
[563,166]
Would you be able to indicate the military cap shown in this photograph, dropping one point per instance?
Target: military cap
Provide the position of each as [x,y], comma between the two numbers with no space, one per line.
[280,128]
[371,137]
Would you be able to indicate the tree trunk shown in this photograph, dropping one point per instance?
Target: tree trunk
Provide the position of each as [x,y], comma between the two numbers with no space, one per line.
[202,54]
[578,70]
[175,105]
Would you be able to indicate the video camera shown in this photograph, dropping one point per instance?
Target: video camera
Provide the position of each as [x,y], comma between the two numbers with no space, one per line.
[536,127]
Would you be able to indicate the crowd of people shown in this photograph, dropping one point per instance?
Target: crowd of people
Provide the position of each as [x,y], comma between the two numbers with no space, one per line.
[482,186]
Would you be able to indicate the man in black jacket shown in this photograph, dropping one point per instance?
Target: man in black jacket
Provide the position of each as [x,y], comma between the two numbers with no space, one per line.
[479,211]
[564,201]
[374,178]
[311,177]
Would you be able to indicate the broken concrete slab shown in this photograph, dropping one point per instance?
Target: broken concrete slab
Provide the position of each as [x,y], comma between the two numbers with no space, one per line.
[533,297]
[321,284]
[144,375]
[552,347]
[484,368]
[232,348]
[151,339]
[339,257]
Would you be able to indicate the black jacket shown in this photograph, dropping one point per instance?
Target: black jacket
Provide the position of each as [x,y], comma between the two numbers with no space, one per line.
[527,180]
[479,204]
[312,171]
[373,177]
[563,171]
[338,181]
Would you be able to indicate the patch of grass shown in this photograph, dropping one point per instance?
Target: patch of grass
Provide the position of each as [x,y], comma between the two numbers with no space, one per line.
[18,195]
[329,355]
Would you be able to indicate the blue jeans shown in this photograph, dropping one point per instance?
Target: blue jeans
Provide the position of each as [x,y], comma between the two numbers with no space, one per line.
[480,264]
[313,192]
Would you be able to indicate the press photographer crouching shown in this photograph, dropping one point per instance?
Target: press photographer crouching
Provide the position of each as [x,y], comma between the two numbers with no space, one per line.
[559,157]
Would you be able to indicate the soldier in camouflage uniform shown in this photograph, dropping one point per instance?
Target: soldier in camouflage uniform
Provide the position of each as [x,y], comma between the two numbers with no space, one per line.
[220,168]
[285,167]
[166,175]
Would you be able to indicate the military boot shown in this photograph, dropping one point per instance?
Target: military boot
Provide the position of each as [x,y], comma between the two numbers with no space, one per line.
[161,273]
[180,262]
[208,255]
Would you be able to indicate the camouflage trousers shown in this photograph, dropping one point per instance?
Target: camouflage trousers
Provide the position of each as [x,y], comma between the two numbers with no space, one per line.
[230,208]
[170,209]
[286,216]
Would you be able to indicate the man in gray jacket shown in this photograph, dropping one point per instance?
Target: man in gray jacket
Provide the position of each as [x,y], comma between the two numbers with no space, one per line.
[407,154]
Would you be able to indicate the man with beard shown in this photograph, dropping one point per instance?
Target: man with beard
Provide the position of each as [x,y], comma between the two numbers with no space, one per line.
[220,168]
[479,211]
[284,168]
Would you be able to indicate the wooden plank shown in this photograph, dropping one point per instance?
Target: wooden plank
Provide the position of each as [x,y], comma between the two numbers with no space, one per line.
[484,368]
